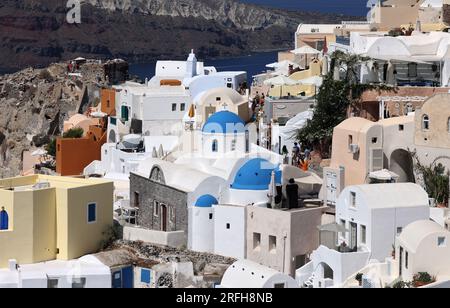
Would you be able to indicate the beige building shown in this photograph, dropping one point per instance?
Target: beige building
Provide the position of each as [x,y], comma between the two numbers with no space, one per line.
[388,144]
[394,13]
[53,217]
[357,149]
[282,239]
[387,15]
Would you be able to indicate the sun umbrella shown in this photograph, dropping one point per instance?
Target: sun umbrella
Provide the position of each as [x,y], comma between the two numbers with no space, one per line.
[390,74]
[284,63]
[161,151]
[98,114]
[281,81]
[305,50]
[325,64]
[192,111]
[39,152]
[314,80]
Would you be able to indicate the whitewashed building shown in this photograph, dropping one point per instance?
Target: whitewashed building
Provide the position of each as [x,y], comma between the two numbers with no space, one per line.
[247,274]
[372,216]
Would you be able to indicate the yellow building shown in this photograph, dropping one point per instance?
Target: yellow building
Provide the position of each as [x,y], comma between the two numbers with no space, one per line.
[53,217]
[315,69]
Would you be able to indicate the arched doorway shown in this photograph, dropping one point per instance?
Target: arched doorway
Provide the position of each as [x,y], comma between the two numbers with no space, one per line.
[112,137]
[402,164]
[4,220]
[324,271]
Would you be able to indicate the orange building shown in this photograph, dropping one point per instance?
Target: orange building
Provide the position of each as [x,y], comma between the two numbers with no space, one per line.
[108,102]
[75,154]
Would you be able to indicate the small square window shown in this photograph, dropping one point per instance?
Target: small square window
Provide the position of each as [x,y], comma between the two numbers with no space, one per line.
[441,241]
[145,276]
[183,107]
[78,283]
[399,230]
[272,244]
[352,199]
[401,127]
[363,234]
[174,107]
[279,286]
[92,213]
[374,140]
[228,226]
[256,240]
[218,99]
[210,216]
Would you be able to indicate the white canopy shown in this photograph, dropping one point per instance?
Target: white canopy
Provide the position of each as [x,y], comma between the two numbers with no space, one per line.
[314,80]
[98,114]
[305,50]
[383,175]
[281,81]
[282,64]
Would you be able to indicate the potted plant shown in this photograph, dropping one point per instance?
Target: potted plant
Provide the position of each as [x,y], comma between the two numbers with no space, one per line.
[359,278]
[422,279]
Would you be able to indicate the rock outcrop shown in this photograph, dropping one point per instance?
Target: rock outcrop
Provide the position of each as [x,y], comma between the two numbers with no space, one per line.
[34,104]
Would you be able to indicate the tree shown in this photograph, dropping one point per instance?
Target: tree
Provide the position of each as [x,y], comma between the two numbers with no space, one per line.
[51,147]
[333,100]
[435,178]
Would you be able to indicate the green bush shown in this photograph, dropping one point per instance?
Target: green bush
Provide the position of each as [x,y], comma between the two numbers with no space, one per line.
[76,132]
[422,278]
[435,177]
[401,285]
[51,148]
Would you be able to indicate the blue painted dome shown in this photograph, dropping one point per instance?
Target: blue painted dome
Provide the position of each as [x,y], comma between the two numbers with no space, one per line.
[224,122]
[256,175]
[206,201]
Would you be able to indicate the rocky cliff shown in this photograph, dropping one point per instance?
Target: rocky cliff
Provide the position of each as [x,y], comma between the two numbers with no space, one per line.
[34,104]
[36,33]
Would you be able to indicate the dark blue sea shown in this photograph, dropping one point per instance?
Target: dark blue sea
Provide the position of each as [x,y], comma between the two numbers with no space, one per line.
[253,64]
[348,7]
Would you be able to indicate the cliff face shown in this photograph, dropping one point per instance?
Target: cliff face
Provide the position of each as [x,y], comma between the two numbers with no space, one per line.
[36,32]
[34,104]
[224,12]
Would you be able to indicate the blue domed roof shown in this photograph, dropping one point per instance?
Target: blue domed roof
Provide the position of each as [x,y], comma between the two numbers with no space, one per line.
[224,122]
[206,201]
[256,174]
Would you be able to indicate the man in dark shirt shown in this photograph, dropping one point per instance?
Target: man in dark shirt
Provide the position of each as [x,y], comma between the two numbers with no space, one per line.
[292,194]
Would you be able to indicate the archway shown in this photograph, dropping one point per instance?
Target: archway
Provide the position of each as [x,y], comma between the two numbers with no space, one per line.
[402,164]
[112,137]
[325,271]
